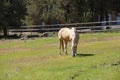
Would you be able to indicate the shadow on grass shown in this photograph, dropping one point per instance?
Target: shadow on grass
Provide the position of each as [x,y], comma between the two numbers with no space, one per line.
[84,55]
[9,37]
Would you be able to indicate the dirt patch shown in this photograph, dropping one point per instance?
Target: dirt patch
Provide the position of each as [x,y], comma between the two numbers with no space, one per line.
[111,64]
[13,49]
[4,41]
[36,60]
[116,63]
[100,39]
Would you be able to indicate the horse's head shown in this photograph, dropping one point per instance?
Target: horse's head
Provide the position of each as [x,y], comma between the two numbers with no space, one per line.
[75,43]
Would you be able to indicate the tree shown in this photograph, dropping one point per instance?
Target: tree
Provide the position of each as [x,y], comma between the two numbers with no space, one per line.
[68,11]
[12,11]
[44,11]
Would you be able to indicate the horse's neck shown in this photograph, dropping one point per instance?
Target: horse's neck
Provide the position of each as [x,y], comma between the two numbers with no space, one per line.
[73,29]
[73,32]
[73,35]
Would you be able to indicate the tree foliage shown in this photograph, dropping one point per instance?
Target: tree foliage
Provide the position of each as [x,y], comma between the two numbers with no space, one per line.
[33,12]
[11,13]
[67,11]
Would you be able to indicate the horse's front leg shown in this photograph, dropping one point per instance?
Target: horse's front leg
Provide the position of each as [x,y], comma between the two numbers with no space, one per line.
[73,49]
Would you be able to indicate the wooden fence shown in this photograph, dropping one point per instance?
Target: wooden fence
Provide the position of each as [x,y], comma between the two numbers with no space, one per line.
[81,27]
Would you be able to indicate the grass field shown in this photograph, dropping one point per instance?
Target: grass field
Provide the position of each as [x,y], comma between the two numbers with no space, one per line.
[98,58]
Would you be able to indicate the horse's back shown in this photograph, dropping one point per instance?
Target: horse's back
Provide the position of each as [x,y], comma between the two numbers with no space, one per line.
[64,33]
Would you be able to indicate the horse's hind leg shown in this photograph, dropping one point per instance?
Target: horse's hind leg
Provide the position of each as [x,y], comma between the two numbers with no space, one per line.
[61,46]
[66,47]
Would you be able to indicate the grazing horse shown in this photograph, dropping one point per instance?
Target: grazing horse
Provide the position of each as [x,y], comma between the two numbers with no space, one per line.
[66,35]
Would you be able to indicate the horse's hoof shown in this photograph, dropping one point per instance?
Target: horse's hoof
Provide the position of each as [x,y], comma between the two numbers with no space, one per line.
[74,55]
[67,54]
[60,54]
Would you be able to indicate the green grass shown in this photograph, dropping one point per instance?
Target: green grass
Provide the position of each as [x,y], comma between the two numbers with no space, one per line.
[98,59]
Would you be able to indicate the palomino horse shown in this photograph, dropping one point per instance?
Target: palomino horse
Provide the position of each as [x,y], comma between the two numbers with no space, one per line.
[66,35]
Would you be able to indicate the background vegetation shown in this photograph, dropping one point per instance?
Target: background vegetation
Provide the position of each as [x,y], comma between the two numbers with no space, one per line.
[14,13]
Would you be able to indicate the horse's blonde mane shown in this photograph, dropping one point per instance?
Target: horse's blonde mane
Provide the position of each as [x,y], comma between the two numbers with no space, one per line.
[74,29]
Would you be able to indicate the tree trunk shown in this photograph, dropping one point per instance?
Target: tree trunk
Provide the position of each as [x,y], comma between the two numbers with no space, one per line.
[107,18]
[5,31]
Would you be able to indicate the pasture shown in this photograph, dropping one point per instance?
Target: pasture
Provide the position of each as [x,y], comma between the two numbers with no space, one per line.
[98,58]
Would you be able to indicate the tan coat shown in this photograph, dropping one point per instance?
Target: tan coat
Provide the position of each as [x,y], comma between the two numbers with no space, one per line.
[66,35]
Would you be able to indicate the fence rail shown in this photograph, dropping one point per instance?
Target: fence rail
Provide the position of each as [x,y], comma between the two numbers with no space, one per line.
[80,27]
[70,24]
